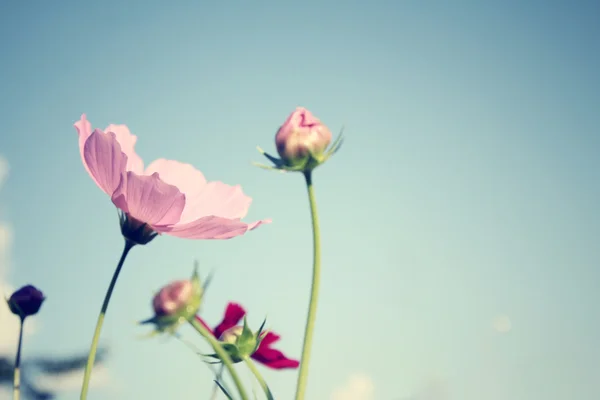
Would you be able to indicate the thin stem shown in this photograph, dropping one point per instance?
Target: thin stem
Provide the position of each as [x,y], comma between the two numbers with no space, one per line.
[218,374]
[314,291]
[218,378]
[94,348]
[223,356]
[259,378]
[17,375]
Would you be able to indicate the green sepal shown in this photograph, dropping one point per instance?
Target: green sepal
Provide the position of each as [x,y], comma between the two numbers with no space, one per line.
[246,343]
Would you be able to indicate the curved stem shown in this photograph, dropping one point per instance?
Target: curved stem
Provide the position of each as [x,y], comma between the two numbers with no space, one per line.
[223,356]
[259,378]
[94,348]
[218,374]
[314,291]
[17,375]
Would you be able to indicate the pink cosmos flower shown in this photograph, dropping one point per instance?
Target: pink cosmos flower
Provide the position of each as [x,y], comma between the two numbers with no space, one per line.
[167,196]
[265,354]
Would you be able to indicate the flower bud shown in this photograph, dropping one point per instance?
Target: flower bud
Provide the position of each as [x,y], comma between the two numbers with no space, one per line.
[232,334]
[26,301]
[302,139]
[302,143]
[172,298]
[176,303]
[240,342]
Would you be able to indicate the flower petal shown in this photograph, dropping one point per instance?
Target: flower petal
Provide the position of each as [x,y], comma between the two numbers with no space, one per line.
[104,160]
[203,199]
[212,228]
[273,358]
[150,200]
[270,338]
[127,141]
[222,200]
[188,180]
[84,130]
[233,314]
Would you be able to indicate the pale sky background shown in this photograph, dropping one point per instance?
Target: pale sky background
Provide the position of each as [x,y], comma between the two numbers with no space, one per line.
[460,220]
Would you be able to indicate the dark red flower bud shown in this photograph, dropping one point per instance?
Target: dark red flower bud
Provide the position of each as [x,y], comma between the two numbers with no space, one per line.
[26,301]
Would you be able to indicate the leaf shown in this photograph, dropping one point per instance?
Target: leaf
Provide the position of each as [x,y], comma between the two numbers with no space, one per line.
[225,392]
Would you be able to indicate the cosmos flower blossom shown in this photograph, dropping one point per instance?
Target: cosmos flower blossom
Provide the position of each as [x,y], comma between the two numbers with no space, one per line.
[168,196]
[265,354]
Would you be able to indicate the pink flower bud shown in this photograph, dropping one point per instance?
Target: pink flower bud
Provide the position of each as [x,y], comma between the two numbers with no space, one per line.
[173,298]
[302,138]
[176,303]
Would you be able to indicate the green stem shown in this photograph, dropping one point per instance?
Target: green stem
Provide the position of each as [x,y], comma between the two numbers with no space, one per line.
[259,378]
[218,378]
[314,291]
[218,374]
[17,375]
[94,348]
[223,356]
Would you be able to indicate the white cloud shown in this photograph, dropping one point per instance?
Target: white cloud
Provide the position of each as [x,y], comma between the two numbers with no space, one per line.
[3,170]
[72,381]
[357,387]
[502,324]
[5,393]
[5,245]
[9,323]
[9,334]
[433,389]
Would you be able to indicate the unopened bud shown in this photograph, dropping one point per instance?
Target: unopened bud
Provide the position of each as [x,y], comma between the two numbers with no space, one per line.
[302,138]
[176,303]
[231,335]
[303,143]
[26,301]
[240,342]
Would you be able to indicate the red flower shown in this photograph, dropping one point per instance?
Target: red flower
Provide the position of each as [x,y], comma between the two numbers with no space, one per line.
[264,354]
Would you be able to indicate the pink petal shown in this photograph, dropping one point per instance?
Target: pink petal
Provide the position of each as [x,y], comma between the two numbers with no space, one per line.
[233,314]
[127,141]
[84,130]
[221,200]
[104,160]
[212,228]
[202,199]
[188,180]
[269,339]
[274,359]
[150,200]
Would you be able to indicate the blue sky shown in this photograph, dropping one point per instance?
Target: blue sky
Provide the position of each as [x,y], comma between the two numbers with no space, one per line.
[466,192]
